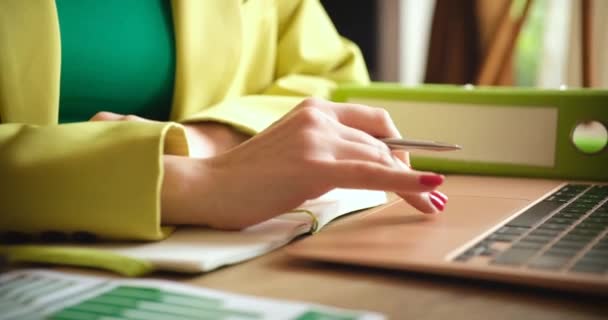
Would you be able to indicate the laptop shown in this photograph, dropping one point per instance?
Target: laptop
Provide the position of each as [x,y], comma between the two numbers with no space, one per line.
[539,232]
[548,231]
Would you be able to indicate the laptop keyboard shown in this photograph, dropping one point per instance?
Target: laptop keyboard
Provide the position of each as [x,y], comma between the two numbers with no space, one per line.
[566,232]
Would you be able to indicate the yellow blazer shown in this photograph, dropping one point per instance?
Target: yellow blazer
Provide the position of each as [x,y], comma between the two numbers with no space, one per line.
[241,63]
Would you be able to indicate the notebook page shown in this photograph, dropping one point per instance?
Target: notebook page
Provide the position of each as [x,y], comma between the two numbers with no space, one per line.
[330,206]
[202,249]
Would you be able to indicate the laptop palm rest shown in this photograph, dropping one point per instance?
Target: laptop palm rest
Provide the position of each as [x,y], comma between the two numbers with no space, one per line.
[396,235]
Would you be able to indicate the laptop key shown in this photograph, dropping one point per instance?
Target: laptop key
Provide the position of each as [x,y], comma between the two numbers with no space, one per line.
[574,211]
[560,252]
[567,215]
[581,205]
[560,221]
[601,212]
[588,268]
[576,238]
[590,226]
[462,258]
[534,214]
[528,245]
[592,196]
[594,261]
[553,226]
[545,232]
[512,230]
[502,237]
[537,238]
[589,233]
[599,190]
[576,188]
[514,256]
[603,221]
[565,245]
[550,262]
[597,254]
[601,246]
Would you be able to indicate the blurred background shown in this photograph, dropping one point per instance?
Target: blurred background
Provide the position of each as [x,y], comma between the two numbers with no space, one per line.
[536,43]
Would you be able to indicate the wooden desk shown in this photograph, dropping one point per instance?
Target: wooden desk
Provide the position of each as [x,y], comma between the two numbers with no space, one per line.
[399,295]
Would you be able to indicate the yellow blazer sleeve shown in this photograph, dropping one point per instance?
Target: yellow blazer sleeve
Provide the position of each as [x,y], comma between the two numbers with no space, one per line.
[311,58]
[97,177]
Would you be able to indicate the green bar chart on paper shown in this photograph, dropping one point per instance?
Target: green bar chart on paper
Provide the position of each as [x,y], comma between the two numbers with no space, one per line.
[59,296]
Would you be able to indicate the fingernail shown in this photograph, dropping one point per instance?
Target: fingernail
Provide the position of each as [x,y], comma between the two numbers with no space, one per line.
[437,203]
[431,180]
[440,195]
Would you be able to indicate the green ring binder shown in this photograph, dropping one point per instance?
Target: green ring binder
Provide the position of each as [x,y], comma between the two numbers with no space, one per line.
[559,110]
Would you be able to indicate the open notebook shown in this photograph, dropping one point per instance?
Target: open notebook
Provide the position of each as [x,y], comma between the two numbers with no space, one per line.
[198,249]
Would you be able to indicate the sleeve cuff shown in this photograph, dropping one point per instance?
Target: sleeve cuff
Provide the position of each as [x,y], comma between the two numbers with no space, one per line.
[102,178]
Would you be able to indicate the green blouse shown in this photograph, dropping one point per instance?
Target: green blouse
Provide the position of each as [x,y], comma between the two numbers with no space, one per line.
[116,55]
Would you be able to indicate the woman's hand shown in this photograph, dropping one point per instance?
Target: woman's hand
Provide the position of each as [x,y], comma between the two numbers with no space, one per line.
[206,139]
[315,148]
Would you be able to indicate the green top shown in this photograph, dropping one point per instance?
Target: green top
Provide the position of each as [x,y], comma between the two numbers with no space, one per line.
[116,55]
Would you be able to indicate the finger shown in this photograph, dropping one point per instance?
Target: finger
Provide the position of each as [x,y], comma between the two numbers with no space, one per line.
[349,150]
[132,117]
[375,121]
[427,202]
[106,116]
[367,175]
[366,148]
[360,145]
[111,116]
[362,136]
[441,196]
[379,151]
[356,135]
[420,201]
[403,156]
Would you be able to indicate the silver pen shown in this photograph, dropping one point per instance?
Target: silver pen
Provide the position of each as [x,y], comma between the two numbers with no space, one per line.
[409,144]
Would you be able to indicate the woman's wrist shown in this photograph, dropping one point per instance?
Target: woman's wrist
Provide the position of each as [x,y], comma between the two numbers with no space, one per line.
[208,139]
[183,179]
[187,181]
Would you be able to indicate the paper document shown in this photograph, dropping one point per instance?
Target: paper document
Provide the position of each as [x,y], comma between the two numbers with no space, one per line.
[36,294]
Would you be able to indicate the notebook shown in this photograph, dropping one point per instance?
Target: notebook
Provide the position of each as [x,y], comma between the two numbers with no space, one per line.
[198,249]
[35,294]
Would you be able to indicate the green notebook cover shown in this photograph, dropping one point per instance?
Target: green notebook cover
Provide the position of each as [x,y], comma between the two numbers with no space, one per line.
[567,109]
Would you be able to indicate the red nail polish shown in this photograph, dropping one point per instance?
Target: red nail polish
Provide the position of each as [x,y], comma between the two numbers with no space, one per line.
[438,204]
[431,180]
[441,196]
